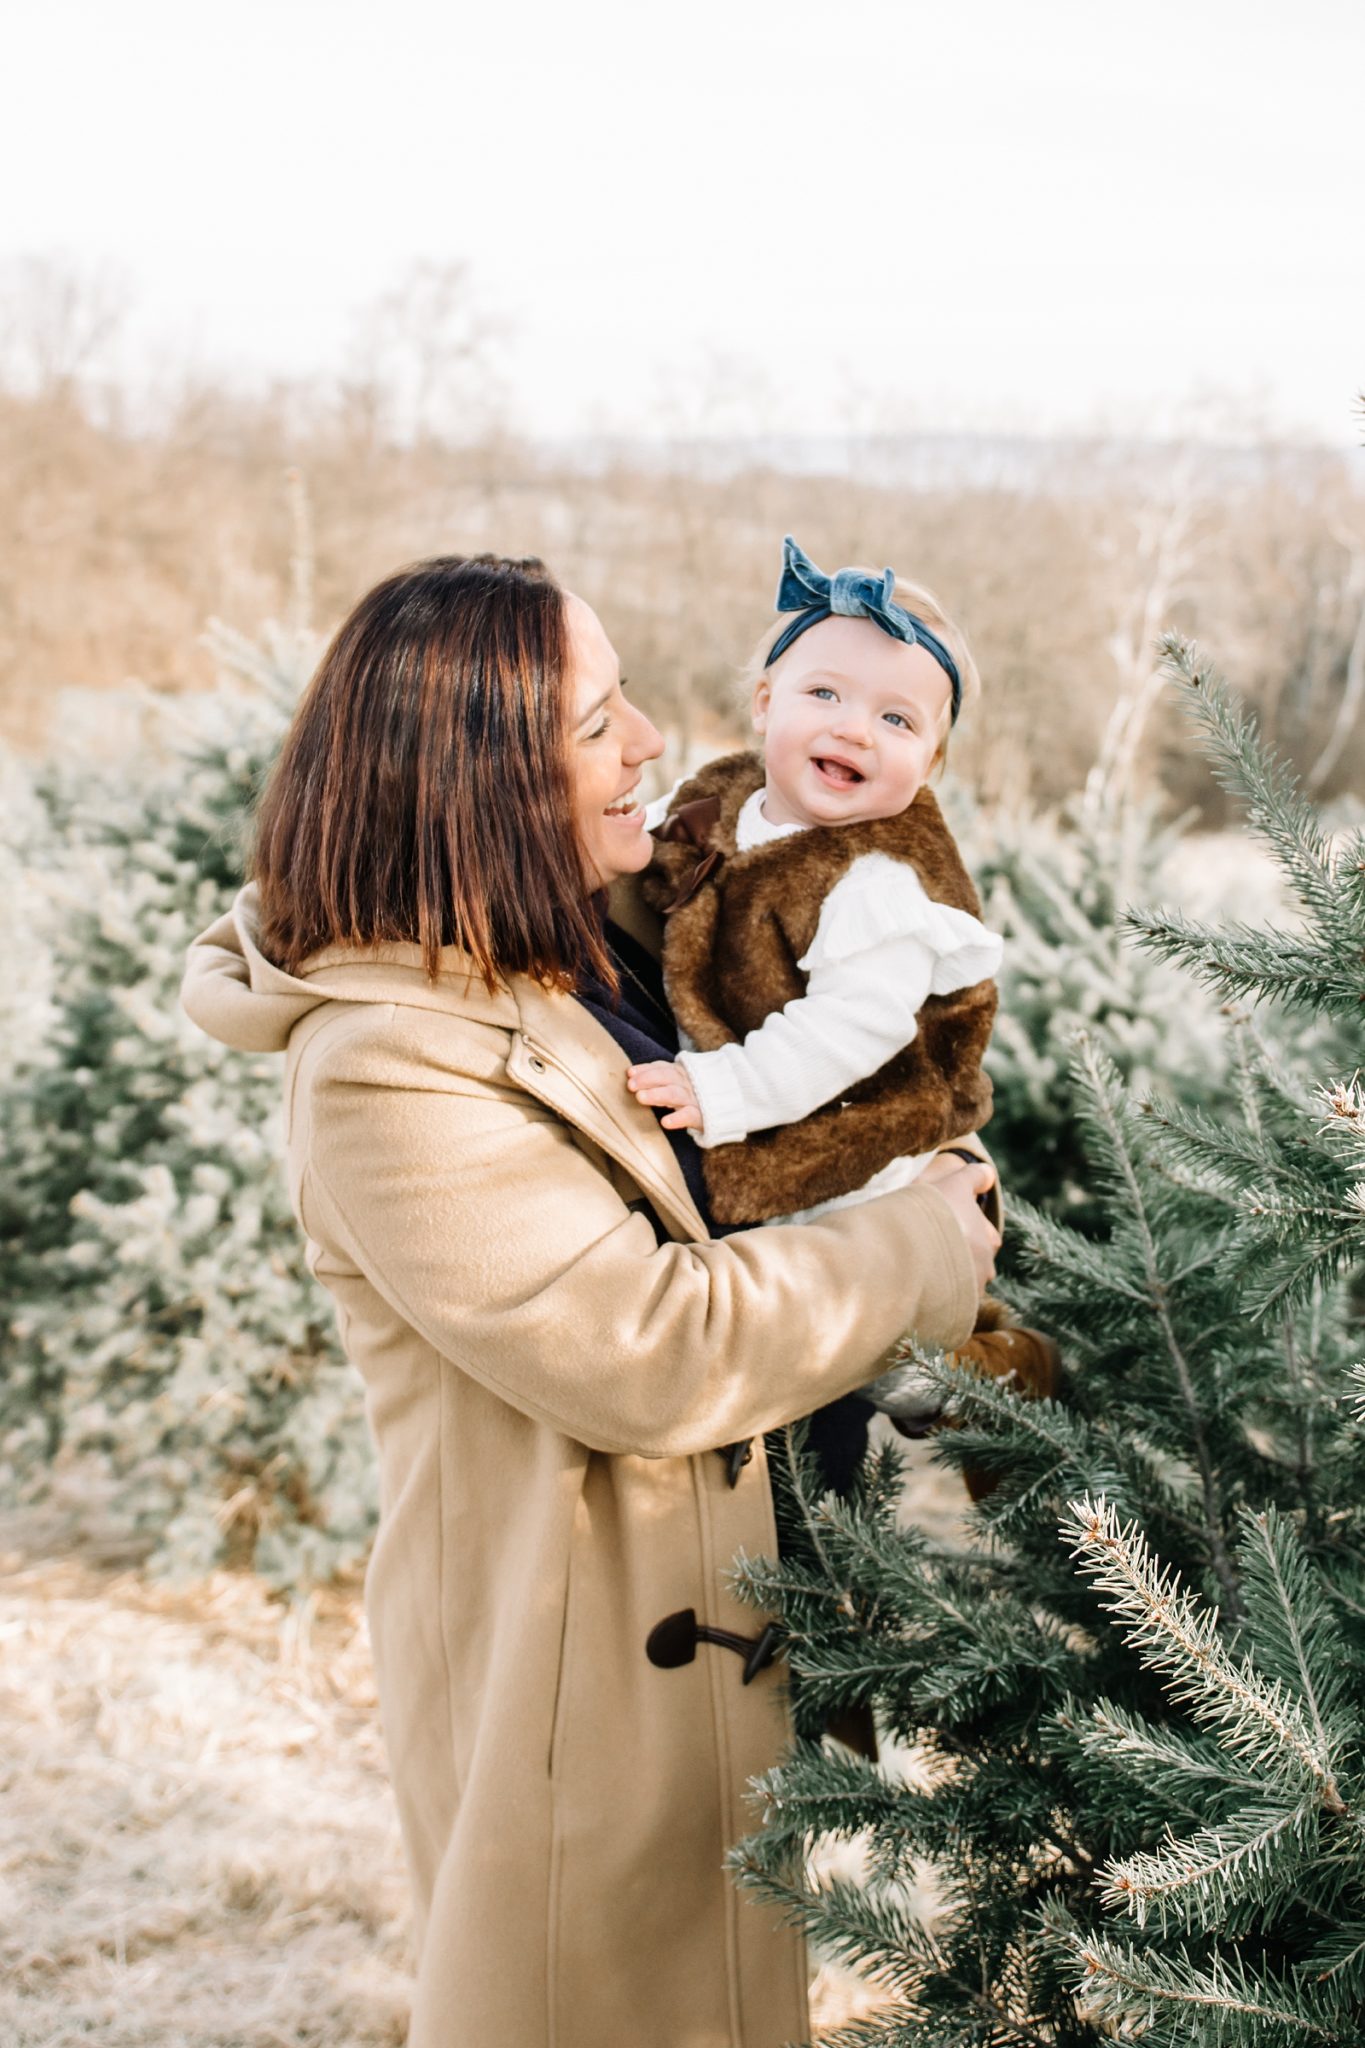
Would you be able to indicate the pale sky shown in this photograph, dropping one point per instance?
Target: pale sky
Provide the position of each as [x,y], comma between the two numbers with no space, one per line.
[984,213]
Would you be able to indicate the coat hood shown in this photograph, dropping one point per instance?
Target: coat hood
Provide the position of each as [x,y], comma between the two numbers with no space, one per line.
[235,994]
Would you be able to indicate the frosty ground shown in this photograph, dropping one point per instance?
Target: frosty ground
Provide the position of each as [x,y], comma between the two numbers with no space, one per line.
[199,1848]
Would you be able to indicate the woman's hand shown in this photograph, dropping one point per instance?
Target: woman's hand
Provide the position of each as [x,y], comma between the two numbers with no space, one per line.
[962,1186]
[663,1084]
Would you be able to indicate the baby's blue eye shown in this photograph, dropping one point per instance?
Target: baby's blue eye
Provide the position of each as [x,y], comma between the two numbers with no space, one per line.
[900,719]
[822,690]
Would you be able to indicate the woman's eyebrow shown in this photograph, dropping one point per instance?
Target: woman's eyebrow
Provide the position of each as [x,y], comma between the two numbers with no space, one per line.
[595,707]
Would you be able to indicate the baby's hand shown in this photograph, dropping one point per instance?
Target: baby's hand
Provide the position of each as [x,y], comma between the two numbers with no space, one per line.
[663,1084]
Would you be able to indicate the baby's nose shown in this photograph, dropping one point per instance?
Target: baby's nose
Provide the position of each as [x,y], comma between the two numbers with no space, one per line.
[850,723]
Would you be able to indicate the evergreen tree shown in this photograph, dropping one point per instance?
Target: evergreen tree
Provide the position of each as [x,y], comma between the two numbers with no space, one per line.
[1055,887]
[169,1372]
[1133,1694]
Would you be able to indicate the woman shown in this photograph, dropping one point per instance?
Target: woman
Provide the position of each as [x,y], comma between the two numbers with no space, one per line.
[554,1348]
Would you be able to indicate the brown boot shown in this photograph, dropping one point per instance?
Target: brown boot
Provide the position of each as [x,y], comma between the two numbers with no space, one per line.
[1000,1349]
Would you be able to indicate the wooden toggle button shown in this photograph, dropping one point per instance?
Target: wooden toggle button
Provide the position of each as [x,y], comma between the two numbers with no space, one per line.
[673,1641]
[736,1457]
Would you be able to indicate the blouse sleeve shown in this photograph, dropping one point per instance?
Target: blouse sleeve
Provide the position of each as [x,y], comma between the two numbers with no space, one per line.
[881,948]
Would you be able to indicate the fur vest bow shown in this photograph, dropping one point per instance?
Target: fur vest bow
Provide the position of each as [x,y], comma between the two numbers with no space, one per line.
[736,925]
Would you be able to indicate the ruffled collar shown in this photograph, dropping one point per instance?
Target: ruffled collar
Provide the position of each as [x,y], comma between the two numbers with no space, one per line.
[753,829]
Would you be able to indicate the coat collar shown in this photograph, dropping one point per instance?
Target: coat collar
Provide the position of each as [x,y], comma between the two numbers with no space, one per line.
[559,1052]
[561,1055]
[556,1050]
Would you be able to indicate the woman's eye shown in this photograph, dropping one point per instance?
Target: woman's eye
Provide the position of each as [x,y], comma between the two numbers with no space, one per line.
[598,730]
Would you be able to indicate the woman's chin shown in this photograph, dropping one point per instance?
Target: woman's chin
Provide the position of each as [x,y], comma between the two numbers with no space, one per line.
[625,852]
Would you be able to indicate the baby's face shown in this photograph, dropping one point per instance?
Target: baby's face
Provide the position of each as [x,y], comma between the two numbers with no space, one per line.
[851,722]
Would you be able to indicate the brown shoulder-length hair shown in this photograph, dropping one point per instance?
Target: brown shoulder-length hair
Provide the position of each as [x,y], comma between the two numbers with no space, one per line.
[422,793]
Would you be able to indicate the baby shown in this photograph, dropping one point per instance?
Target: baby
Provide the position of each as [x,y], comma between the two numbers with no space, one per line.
[823,950]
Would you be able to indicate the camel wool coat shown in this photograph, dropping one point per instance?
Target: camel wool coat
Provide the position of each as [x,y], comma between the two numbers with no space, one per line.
[553,1351]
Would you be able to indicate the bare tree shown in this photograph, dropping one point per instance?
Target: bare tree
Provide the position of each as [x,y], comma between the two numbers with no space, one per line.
[1353,690]
[1164,528]
[58,321]
[423,360]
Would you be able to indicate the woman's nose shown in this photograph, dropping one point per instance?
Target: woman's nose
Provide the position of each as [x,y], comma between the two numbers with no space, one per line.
[645,743]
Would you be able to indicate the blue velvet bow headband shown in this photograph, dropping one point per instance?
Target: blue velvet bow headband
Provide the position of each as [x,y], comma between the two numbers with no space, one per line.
[851,594]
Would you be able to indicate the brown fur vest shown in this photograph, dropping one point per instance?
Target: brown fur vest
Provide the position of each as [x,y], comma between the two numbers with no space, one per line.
[737,923]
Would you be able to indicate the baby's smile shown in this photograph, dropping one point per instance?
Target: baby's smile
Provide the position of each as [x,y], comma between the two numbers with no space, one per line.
[841,773]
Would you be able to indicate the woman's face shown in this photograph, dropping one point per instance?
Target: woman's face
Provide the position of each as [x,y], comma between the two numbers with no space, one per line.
[609,742]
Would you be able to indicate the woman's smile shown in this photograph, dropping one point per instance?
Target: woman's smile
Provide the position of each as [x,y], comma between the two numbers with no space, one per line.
[626,810]
[611,740]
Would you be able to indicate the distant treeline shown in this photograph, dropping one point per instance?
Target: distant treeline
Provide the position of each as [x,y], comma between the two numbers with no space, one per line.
[122,538]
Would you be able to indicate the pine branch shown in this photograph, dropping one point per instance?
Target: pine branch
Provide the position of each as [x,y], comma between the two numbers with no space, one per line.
[1135,1989]
[1103,1084]
[1241,960]
[767,1585]
[1295,1279]
[1258,1721]
[894,1563]
[1092,1267]
[1277,810]
[796,1478]
[1338,1961]
[1303,1390]
[1068,1443]
[1284,1086]
[1235,1155]
[1293,1631]
[1202,1877]
[887,2027]
[820,1793]
[1356,1376]
[1124,1741]
[856,1926]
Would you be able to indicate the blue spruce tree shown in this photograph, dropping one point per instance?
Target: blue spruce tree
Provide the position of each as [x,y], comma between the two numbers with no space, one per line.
[1134,1689]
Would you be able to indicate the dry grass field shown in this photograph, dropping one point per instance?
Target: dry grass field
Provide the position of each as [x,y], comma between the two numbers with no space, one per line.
[126,526]
[198,1848]
[197,1844]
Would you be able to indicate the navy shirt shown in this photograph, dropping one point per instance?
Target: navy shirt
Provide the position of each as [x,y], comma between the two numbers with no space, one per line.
[642,1024]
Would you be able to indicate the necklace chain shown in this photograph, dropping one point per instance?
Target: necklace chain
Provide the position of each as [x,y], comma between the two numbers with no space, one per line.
[651,1001]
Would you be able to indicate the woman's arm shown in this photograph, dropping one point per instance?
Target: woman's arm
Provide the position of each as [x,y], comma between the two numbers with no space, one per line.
[490,1230]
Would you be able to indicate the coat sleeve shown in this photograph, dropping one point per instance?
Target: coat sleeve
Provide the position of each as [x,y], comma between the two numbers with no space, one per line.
[487,1228]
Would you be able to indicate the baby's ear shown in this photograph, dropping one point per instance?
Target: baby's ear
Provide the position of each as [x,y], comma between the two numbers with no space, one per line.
[940,760]
[763,691]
